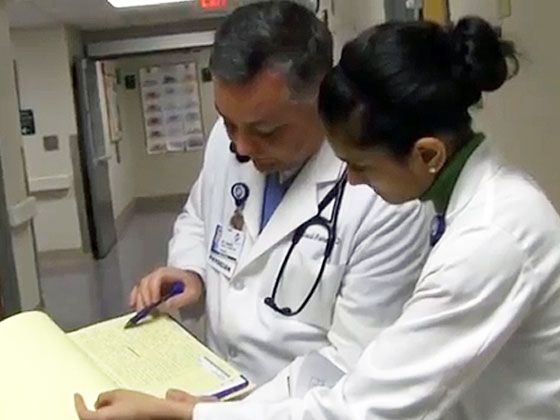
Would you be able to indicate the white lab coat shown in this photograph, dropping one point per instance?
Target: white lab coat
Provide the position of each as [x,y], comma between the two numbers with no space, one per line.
[479,339]
[376,261]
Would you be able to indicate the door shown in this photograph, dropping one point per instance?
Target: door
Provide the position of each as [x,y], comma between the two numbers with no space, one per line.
[95,160]
[9,288]
[402,10]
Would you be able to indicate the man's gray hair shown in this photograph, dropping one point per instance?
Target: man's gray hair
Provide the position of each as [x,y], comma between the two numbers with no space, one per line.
[281,35]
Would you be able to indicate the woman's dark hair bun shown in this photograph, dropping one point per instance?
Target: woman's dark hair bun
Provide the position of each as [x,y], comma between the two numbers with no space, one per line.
[483,60]
[408,80]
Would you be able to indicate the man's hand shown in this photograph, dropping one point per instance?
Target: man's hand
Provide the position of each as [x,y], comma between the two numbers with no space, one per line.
[151,287]
[183,397]
[129,405]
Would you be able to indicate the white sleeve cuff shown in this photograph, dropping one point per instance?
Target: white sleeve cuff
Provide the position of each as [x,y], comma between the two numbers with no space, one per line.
[219,411]
[201,271]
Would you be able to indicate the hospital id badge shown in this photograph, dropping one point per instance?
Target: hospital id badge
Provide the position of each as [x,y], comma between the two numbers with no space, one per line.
[227,245]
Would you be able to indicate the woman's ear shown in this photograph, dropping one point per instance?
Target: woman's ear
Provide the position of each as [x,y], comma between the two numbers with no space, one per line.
[431,154]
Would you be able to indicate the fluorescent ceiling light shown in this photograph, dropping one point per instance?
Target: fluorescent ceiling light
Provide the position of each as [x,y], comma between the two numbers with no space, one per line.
[137,3]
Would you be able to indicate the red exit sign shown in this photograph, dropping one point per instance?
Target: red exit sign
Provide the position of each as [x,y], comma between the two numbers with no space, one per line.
[213,4]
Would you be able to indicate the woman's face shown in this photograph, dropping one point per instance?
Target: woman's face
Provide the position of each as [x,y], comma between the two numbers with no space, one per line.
[396,180]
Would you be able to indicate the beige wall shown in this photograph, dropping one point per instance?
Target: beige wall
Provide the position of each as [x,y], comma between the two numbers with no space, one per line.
[371,12]
[487,9]
[13,170]
[45,85]
[521,119]
[155,175]
[75,51]
[74,42]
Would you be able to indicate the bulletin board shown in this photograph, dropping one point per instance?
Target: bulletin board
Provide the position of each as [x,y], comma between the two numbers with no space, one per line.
[171,108]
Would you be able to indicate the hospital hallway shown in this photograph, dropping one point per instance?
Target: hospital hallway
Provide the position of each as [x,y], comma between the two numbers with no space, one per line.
[78,291]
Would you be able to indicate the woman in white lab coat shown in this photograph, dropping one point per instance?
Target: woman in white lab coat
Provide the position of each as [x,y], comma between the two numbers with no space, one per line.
[480,337]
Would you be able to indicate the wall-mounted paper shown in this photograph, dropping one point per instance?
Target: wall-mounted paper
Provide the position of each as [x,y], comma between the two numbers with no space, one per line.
[172,111]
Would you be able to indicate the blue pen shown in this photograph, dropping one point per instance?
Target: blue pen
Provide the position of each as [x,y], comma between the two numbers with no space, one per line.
[177,288]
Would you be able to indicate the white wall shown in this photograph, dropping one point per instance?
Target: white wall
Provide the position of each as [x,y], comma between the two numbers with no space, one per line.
[45,85]
[351,17]
[521,119]
[13,170]
[154,175]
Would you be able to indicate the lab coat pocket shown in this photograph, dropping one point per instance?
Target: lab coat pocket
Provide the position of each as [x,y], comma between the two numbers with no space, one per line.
[296,286]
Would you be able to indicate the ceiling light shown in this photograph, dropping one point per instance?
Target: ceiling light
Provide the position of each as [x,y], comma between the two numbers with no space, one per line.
[138,3]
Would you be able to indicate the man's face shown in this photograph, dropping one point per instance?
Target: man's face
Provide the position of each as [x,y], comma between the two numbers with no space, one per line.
[266,124]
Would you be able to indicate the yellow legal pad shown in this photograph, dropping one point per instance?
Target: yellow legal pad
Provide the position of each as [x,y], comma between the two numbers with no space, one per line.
[41,367]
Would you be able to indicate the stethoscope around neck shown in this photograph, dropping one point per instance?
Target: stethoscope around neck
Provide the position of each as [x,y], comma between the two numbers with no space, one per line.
[335,194]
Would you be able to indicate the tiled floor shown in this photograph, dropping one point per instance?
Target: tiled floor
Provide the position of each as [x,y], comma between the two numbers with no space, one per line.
[78,292]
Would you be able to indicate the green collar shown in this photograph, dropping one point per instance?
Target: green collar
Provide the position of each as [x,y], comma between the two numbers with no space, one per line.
[442,188]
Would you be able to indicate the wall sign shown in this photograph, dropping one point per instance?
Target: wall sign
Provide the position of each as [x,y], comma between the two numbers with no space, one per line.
[130,81]
[27,121]
[213,4]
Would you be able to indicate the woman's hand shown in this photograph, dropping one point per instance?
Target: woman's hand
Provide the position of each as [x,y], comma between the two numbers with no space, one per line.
[129,405]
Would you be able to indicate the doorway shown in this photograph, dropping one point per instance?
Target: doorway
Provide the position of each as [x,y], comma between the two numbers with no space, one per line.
[94,160]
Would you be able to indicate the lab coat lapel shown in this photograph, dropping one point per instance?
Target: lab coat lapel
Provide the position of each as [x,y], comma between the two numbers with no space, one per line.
[300,202]
[483,163]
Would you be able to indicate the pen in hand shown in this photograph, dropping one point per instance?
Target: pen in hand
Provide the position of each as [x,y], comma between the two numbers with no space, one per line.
[176,289]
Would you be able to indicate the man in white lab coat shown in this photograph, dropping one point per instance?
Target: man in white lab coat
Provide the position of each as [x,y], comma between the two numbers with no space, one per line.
[267,169]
